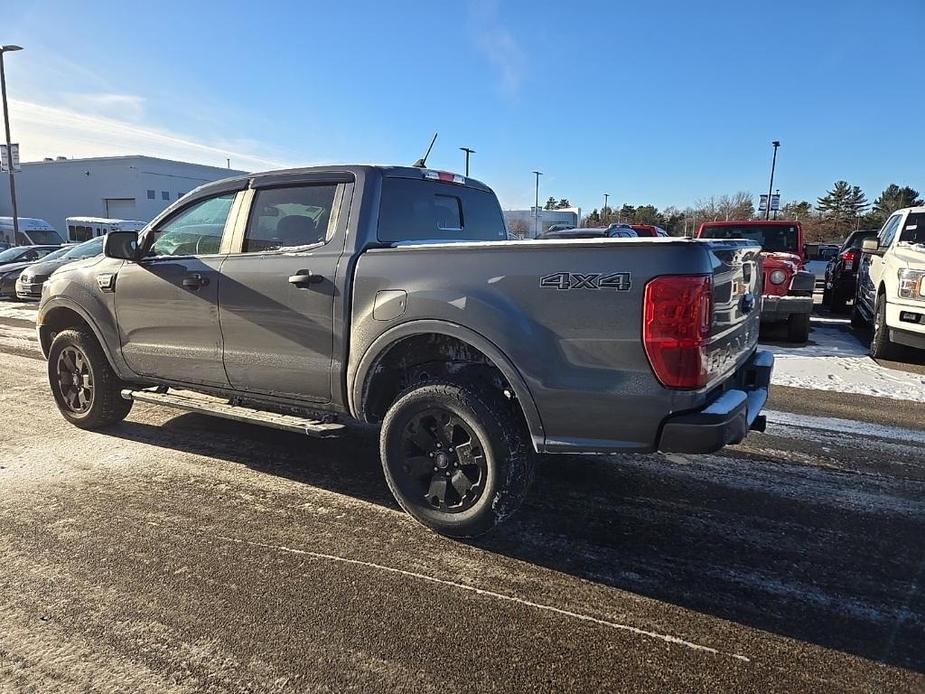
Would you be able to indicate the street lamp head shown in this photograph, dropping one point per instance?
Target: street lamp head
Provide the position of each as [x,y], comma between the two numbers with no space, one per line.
[538,173]
[775,143]
[9,48]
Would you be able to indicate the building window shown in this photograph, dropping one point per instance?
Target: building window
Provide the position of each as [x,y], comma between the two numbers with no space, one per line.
[165,195]
[150,195]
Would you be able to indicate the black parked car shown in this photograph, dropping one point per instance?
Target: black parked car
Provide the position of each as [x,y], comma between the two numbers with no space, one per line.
[841,274]
[16,259]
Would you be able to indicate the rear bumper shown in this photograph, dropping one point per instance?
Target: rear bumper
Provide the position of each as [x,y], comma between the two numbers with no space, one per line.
[779,308]
[728,418]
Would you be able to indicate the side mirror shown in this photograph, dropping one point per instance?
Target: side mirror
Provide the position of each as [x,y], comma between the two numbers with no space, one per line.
[870,245]
[121,244]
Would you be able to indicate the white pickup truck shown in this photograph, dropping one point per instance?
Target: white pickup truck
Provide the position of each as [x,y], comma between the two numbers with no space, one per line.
[891,284]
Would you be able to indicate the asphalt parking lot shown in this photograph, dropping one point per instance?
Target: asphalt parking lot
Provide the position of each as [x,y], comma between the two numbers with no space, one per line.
[182,553]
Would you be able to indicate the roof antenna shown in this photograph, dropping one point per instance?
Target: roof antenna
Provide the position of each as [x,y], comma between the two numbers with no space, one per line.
[422,162]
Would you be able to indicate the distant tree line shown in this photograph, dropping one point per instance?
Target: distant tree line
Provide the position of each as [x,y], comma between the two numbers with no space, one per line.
[841,210]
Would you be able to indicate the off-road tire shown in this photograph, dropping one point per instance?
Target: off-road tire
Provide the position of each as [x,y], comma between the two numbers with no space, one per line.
[880,345]
[798,327]
[106,404]
[497,424]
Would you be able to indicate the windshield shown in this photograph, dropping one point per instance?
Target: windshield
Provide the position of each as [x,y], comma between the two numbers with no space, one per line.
[914,229]
[773,238]
[60,253]
[11,254]
[43,236]
[85,250]
[857,239]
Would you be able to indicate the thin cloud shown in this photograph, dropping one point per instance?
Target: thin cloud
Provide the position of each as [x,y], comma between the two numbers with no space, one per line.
[46,130]
[118,106]
[498,45]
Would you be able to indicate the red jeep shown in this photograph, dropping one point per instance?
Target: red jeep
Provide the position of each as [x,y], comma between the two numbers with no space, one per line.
[788,287]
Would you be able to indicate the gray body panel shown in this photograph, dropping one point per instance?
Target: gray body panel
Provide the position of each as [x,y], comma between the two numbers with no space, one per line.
[579,352]
[574,358]
[168,330]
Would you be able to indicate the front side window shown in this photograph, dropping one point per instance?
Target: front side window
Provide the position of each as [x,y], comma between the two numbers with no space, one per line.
[289,217]
[196,230]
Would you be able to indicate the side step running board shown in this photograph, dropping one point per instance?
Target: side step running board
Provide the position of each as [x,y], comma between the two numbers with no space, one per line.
[238,413]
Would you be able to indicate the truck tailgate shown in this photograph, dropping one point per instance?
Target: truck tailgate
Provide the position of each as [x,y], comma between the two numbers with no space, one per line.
[737,286]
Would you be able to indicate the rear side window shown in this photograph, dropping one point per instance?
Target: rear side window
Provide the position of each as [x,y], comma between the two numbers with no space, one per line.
[286,217]
[425,210]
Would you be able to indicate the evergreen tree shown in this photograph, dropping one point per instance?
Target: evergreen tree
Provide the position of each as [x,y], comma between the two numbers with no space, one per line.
[837,205]
[550,204]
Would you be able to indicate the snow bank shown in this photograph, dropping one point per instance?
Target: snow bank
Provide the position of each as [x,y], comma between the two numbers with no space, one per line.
[836,360]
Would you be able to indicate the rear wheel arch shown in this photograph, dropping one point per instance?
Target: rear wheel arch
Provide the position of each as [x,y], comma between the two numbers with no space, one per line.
[371,391]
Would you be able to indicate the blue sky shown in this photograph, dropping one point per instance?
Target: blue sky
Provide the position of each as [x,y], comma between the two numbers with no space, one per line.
[655,102]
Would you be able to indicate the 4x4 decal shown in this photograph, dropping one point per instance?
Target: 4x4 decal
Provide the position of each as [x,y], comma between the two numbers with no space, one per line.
[620,281]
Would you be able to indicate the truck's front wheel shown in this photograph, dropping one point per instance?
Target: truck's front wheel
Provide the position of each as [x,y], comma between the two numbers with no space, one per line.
[880,345]
[85,388]
[456,457]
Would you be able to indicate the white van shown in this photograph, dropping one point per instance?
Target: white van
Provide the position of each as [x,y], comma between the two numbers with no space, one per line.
[32,232]
[80,229]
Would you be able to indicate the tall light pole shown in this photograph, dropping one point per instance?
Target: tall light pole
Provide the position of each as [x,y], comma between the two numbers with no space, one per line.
[468,152]
[604,208]
[536,205]
[767,210]
[9,144]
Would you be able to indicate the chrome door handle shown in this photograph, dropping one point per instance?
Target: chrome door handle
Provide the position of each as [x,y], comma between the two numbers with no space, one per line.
[303,278]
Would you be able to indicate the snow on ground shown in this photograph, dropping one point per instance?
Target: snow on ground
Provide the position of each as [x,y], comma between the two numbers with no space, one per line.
[834,359]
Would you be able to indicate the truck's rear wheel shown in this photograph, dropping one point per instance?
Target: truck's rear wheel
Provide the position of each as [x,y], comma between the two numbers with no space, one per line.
[880,345]
[798,327]
[456,457]
[85,388]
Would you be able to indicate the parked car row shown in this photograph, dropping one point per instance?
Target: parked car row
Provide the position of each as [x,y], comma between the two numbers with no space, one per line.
[24,269]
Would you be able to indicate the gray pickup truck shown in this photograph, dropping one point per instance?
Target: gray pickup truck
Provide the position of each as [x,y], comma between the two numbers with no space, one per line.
[310,299]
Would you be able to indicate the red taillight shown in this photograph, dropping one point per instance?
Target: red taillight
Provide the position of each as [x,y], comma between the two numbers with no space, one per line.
[677,316]
[848,258]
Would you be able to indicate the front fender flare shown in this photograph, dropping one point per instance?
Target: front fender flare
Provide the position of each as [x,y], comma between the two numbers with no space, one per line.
[114,358]
[381,344]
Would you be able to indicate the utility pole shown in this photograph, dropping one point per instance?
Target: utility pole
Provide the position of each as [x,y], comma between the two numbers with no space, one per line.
[468,152]
[9,144]
[767,212]
[604,208]
[536,205]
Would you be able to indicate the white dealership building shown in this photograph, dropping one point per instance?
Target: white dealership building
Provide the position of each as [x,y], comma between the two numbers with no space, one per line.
[524,222]
[124,187]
